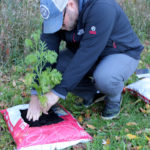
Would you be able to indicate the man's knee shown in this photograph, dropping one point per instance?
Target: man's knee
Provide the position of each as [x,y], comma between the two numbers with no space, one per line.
[108,83]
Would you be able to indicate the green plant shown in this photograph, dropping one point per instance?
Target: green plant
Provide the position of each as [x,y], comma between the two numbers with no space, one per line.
[44,80]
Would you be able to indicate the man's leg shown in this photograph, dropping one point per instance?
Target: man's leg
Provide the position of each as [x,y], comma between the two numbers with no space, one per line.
[85,88]
[109,76]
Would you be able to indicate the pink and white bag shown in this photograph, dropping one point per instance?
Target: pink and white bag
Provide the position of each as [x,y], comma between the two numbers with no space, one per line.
[48,137]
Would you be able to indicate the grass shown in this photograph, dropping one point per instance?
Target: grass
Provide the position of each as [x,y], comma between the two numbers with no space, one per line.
[114,132]
[13,90]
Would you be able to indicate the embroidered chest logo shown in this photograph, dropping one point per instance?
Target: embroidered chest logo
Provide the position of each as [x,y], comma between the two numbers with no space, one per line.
[93,30]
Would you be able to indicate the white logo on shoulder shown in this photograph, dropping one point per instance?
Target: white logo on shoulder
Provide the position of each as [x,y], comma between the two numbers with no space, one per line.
[44,11]
[93,28]
[80,32]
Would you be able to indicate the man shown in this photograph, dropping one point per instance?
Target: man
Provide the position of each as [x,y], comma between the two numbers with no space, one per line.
[100,43]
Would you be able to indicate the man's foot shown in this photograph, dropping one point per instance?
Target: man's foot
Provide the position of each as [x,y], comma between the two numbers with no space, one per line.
[97,98]
[111,110]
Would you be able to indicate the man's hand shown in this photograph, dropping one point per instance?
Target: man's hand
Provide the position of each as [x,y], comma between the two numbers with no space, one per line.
[35,109]
[52,99]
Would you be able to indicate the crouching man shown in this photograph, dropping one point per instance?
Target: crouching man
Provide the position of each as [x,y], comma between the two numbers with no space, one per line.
[100,43]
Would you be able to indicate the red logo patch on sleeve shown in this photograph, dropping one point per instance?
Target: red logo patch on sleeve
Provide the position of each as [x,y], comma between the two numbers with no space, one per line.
[93,30]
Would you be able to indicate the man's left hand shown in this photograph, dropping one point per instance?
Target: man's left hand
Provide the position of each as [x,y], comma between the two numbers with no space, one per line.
[52,99]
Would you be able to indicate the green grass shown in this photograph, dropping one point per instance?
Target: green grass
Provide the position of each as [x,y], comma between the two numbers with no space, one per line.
[13,90]
[11,93]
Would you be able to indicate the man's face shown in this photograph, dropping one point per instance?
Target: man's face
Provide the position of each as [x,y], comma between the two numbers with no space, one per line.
[71,14]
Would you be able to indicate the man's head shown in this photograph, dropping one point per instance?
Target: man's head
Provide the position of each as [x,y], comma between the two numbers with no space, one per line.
[59,14]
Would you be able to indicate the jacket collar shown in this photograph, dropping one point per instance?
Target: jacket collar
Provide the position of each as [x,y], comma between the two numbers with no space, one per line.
[81,4]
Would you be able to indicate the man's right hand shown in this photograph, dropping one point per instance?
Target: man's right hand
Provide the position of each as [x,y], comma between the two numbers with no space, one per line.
[34,110]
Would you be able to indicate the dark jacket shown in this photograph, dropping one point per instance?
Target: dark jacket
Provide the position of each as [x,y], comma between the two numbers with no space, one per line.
[102,29]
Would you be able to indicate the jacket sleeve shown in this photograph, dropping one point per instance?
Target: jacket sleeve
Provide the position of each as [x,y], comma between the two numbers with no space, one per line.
[101,18]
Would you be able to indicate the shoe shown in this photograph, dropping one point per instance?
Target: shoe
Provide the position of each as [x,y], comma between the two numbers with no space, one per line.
[111,110]
[97,98]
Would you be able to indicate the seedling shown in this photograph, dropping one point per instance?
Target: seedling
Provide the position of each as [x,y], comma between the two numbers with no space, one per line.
[37,78]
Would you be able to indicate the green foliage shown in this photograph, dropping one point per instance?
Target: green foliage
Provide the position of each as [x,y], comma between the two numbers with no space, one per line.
[17,20]
[137,11]
[48,78]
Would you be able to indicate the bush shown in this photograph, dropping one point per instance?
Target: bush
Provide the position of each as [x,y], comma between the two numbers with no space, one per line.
[17,20]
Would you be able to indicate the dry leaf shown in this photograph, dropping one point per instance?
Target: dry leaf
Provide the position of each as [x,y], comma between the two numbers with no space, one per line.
[28,69]
[21,79]
[131,124]
[94,135]
[131,136]
[117,138]
[24,94]
[106,142]
[139,132]
[14,83]
[147,106]
[148,138]
[142,110]
[80,119]
[126,130]
[91,126]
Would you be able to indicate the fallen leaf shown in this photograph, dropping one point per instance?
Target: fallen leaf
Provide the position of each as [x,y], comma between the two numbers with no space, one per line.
[126,130]
[14,83]
[147,106]
[131,136]
[131,124]
[91,126]
[94,135]
[80,119]
[117,138]
[22,87]
[28,69]
[142,110]
[106,142]
[139,132]
[148,138]
[21,79]
[24,94]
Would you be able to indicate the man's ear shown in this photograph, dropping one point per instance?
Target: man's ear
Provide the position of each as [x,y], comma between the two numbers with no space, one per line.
[71,4]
